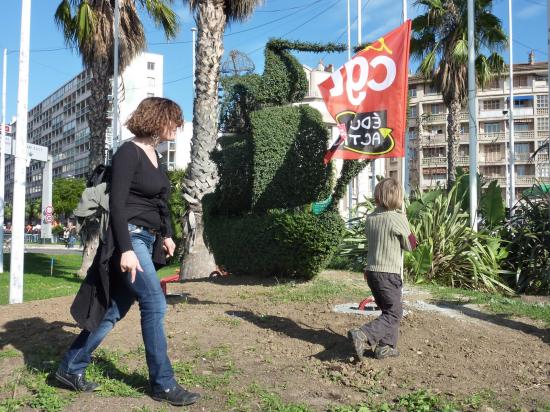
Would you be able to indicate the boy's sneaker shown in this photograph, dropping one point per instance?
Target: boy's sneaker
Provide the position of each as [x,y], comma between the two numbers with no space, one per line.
[360,342]
[176,396]
[77,382]
[385,351]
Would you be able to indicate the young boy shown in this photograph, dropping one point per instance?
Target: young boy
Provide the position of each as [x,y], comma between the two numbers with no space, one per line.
[388,232]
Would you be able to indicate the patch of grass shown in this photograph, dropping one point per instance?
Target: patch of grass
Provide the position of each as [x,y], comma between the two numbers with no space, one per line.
[110,370]
[9,353]
[168,270]
[230,321]
[272,402]
[317,290]
[496,303]
[425,401]
[38,284]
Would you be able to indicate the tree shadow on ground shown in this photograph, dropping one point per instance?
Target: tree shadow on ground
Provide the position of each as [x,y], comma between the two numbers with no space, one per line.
[186,298]
[42,345]
[337,347]
[498,319]
[247,280]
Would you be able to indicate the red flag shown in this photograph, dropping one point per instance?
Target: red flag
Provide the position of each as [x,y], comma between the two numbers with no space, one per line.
[368,99]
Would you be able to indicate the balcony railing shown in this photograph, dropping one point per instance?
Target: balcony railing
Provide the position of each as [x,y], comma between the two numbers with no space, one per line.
[492,137]
[492,159]
[434,161]
[542,111]
[500,180]
[523,157]
[530,135]
[525,180]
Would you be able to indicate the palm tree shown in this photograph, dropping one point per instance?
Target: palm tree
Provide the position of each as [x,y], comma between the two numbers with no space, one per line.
[212,16]
[87,25]
[440,43]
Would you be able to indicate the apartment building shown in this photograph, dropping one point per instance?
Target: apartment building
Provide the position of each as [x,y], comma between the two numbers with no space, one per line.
[427,131]
[60,121]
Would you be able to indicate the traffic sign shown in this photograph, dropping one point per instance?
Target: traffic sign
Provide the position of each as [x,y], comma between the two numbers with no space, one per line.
[34,151]
[48,210]
[48,218]
[7,128]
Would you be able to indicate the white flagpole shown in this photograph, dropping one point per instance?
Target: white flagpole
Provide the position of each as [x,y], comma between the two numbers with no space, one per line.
[473,116]
[114,125]
[3,159]
[20,167]
[350,185]
[511,149]
[405,161]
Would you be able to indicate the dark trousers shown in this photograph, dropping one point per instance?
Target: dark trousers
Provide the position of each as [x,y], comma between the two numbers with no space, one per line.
[386,290]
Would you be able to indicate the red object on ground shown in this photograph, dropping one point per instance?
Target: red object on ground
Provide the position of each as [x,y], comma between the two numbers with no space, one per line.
[365,302]
[168,279]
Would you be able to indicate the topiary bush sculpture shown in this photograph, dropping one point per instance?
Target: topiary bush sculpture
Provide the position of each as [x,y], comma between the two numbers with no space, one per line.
[260,219]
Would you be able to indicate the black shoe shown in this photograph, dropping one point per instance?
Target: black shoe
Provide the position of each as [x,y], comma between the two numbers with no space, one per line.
[77,382]
[360,342]
[385,351]
[177,396]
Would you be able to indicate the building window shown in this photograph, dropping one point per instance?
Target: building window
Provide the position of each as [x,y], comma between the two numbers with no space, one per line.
[544,170]
[413,111]
[150,65]
[542,101]
[493,104]
[520,81]
[520,126]
[151,81]
[522,147]
[412,91]
[431,89]
[523,102]
[436,108]
[542,123]
[492,127]
[524,170]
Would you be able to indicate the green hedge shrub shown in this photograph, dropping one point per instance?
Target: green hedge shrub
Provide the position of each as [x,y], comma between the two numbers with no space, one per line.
[234,162]
[276,243]
[288,148]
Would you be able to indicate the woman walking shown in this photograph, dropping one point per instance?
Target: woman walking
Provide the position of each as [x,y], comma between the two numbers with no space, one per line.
[138,216]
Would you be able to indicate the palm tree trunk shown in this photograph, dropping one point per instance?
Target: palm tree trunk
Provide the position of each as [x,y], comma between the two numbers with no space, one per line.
[202,175]
[97,114]
[97,122]
[453,141]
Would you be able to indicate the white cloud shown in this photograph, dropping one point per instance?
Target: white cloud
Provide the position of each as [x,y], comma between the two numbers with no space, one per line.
[530,11]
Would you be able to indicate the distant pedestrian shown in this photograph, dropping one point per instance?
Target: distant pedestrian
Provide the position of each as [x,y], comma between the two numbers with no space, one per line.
[66,234]
[388,233]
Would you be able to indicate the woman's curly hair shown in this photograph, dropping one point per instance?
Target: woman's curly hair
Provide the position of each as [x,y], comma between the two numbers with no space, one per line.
[153,115]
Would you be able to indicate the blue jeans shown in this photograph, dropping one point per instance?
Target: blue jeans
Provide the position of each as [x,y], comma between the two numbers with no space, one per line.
[152,305]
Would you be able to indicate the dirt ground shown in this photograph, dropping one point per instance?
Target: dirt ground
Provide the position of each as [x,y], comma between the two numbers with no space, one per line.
[241,345]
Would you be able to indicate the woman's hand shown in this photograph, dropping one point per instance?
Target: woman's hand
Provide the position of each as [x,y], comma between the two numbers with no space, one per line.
[130,263]
[169,246]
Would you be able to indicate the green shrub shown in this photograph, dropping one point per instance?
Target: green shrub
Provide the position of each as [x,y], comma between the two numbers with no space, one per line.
[278,243]
[288,148]
[528,232]
[234,162]
[449,252]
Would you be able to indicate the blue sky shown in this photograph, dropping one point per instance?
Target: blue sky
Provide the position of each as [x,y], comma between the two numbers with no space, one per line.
[51,64]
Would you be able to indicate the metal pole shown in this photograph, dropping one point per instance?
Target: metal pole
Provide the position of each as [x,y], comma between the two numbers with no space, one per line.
[3,159]
[548,68]
[473,116]
[405,161]
[349,31]
[350,185]
[512,148]
[114,126]
[194,42]
[46,226]
[20,168]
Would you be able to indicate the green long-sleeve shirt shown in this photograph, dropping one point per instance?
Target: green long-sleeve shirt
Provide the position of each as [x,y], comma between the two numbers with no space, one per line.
[387,233]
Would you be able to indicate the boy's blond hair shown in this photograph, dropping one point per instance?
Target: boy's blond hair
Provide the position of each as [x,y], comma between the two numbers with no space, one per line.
[388,194]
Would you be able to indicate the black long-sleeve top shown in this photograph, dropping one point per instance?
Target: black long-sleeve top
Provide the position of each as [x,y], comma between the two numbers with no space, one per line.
[139,195]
